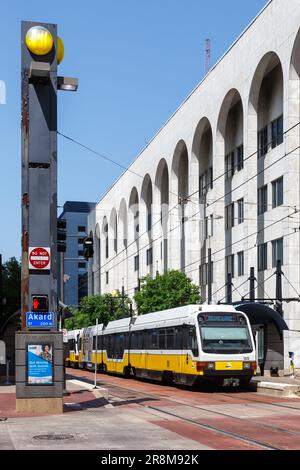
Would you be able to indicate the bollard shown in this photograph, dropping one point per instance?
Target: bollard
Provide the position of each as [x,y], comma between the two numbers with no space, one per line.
[7,382]
[292,364]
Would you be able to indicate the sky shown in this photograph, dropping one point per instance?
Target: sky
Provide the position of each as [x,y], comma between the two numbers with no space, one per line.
[136,61]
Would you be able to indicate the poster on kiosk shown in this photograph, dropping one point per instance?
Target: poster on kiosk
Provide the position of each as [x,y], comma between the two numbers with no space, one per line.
[40,364]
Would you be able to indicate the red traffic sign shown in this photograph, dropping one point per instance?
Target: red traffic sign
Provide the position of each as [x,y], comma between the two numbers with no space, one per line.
[39,258]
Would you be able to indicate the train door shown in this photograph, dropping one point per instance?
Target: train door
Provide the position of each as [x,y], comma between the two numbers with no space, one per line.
[180,352]
[144,350]
[189,350]
[259,339]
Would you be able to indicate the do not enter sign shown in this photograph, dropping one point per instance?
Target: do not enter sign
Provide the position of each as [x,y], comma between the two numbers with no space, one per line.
[39,258]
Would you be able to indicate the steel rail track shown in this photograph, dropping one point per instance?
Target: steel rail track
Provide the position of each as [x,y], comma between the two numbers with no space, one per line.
[248,440]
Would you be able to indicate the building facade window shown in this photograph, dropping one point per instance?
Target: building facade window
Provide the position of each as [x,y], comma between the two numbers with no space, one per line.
[206,182]
[263,142]
[229,216]
[262,257]
[80,241]
[106,277]
[149,257]
[229,265]
[277,132]
[241,264]
[136,263]
[277,193]
[241,215]
[240,158]
[229,165]
[203,274]
[80,252]
[81,228]
[262,198]
[277,252]
[81,266]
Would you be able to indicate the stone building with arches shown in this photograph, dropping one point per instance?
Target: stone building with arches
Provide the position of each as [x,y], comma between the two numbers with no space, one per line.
[223,173]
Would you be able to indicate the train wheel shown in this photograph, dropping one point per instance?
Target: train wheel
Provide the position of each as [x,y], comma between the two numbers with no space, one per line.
[167,378]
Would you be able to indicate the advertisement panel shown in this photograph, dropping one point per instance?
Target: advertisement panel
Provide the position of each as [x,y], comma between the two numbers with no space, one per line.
[40,364]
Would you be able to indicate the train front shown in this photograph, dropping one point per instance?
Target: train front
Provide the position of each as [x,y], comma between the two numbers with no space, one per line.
[227,349]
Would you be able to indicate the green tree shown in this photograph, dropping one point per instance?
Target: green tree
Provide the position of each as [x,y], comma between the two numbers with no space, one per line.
[11,291]
[104,307]
[170,290]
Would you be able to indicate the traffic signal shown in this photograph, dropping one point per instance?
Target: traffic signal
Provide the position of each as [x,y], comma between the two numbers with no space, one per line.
[40,303]
[88,249]
[61,235]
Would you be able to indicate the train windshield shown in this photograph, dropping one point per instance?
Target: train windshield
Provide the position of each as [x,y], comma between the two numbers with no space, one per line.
[225,334]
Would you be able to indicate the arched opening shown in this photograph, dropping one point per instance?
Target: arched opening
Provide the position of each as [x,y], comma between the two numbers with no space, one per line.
[231,130]
[180,173]
[104,251]
[123,223]
[202,167]
[134,224]
[114,230]
[266,117]
[146,210]
[162,186]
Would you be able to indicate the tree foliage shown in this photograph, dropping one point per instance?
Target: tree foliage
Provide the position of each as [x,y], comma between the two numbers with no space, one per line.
[104,307]
[11,291]
[170,290]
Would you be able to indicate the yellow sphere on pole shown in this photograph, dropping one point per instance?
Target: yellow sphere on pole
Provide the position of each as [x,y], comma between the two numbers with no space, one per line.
[60,50]
[39,40]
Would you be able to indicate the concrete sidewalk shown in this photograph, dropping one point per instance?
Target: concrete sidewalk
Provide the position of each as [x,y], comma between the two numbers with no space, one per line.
[81,396]
[278,386]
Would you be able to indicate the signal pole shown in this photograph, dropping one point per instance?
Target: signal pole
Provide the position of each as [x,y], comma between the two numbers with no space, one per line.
[39,346]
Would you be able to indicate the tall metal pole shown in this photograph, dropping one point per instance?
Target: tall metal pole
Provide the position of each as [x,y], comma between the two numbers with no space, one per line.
[279,288]
[229,288]
[62,284]
[96,355]
[123,301]
[209,278]
[252,285]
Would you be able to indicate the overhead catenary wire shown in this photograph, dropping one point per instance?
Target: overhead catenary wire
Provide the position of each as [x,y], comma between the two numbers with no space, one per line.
[197,261]
[173,208]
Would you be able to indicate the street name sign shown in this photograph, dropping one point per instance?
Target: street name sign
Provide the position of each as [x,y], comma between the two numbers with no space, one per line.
[40,320]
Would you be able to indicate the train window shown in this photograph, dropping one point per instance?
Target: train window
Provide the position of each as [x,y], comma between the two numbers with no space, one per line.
[94,343]
[110,346]
[192,340]
[170,338]
[178,337]
[134,341]
[142,340]
[161,339]
[154,339]
[99,345]
[79,344]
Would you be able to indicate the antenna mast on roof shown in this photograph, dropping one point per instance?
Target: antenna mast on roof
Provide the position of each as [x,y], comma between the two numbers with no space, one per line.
[207,55]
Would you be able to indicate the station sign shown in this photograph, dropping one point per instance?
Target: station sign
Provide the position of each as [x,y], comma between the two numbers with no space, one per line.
[40,320]
[39,258]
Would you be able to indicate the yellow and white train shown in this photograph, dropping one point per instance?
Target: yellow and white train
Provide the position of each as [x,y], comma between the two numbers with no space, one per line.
[184,345]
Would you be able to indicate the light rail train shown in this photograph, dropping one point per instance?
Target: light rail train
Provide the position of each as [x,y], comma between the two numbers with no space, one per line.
[185,345]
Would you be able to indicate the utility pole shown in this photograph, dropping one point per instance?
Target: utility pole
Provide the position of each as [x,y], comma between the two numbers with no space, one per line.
[279,289]
[209,277]
[252,285]
[229,288]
